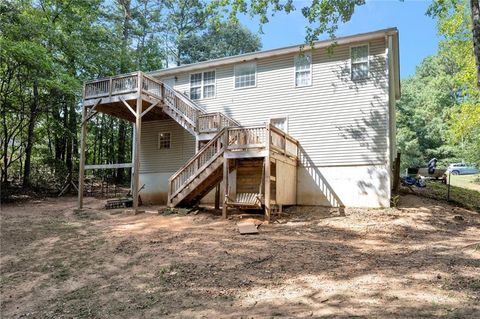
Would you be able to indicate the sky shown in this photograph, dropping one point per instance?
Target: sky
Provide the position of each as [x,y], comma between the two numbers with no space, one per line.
[418,33]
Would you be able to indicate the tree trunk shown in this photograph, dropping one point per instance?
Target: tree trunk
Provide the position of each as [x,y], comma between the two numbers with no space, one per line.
[30,136]
[476,35]
[121,150]
[72,133]
[123,69]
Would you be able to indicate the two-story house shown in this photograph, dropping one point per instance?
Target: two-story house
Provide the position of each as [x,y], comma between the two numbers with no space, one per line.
[289,126]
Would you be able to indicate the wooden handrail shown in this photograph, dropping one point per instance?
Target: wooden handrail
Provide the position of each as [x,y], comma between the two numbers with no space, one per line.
[195,166]
[197,154]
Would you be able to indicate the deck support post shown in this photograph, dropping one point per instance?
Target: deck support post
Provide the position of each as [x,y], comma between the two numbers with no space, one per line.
[268,208]
[225,187]
[217,196]
[136,156]
[81,170]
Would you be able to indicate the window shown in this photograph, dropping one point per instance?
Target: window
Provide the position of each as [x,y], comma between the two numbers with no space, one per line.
[208,84]
[245,75]
[303,69]
[202,85]
[280,122]
[164,140]
[196,86]
[359,62]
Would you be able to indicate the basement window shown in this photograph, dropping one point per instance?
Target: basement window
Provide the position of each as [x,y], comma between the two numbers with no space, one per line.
[245,75]
[359,62]
[164,140]
[202,85]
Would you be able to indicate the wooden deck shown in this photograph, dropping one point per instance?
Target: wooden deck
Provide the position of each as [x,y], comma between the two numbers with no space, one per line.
[221,142]
[233,147]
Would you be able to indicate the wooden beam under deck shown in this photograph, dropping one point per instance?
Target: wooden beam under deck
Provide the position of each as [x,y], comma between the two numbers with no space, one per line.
[117,108]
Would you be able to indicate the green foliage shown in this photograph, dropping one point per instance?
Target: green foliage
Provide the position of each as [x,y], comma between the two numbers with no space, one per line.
[439,112]
[322,16]
[218,41]
[49,47]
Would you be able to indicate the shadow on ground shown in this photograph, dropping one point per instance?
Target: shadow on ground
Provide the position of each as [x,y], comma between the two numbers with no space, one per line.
[415,261]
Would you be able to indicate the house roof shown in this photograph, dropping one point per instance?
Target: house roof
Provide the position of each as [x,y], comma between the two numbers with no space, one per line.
[290,49]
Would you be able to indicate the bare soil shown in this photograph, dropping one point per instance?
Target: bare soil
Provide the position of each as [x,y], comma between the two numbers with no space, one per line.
[421,260]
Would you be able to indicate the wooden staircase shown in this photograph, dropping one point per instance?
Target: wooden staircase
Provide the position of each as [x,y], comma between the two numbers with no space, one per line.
[225,139]
[178,106]
[200,174]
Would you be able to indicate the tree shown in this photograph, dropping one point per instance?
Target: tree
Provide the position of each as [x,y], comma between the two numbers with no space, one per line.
[184,18]
[456,20]
[227,39]
[322,16]
[423,113]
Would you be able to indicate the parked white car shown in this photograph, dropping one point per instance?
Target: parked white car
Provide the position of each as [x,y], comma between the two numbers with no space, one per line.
[462,169]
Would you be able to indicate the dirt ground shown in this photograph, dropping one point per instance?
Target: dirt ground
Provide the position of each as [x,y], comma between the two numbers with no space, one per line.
[421,260]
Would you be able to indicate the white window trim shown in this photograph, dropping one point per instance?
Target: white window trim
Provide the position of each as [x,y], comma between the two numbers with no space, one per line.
[234,75]
[368,60]
[202,85]
[158,140]
[295,70]
[278,118]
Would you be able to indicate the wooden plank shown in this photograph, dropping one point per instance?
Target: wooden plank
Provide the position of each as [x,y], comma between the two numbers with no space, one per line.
[149,108]
[89,115]
[217,196]
[113,99]
[267,180]
[246,154]
[130,108]
[284,159]
[247,228]
[225,181]
[243,146]
[81,172]
[107,166]
[136,158]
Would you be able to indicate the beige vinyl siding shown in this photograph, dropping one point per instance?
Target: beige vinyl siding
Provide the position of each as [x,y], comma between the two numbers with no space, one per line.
[154,160]
[336,120]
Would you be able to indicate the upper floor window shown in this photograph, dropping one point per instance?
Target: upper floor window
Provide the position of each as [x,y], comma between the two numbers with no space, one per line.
[359,62]
[164,140]
[245,75]
[303,69]
[202,85]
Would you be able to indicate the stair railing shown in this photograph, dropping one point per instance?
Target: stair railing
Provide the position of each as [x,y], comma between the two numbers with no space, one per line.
[201,160]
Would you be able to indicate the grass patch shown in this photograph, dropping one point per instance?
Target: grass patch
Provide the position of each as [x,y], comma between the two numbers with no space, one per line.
[466,181]
[460,196]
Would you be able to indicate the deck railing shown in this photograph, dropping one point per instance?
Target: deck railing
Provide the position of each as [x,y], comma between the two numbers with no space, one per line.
[207,155]
[180,104]
[255,137]
[116,85]
[213,122]
[282,142]
[244,138]
[233,139]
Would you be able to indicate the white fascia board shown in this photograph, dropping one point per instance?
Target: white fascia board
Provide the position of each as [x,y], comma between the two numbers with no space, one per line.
[274,52]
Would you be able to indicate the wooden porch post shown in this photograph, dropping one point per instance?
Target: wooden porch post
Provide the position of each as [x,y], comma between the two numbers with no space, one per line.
[267,164]
[225,175]
[81,171]
[136,157]
[217,196]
